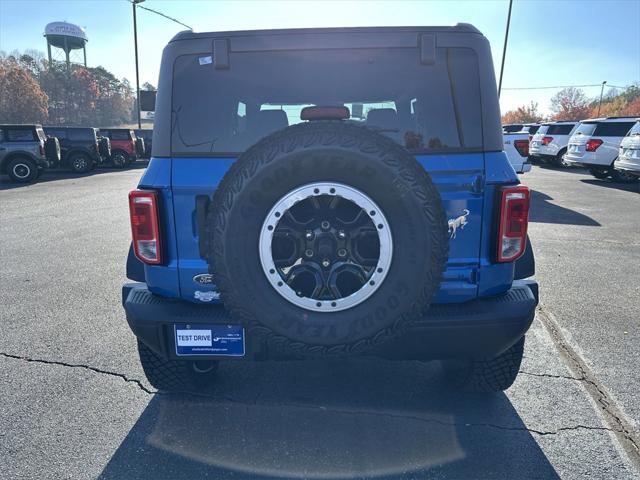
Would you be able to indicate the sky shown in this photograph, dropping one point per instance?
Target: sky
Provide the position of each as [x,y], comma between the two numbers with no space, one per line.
[551,43]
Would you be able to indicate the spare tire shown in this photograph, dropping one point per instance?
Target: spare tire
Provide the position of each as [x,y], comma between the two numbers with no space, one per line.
[139,147]
[104,147]
[52,149]
[326,238]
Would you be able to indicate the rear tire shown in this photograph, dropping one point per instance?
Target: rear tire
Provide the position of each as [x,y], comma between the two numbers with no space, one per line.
[486,376]
[22,170]
[175,375]
[599,174]
[557,161]
[80,163]
[119,159]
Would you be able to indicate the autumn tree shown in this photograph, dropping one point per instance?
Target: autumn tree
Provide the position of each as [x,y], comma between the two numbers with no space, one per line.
[21,98]
[523,114]
[570,104]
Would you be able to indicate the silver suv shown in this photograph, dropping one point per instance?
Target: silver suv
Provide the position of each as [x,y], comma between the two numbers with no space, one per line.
[25,151]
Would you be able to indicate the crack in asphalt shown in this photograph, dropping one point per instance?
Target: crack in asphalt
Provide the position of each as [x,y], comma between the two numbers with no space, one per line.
[611,413]
[340,411]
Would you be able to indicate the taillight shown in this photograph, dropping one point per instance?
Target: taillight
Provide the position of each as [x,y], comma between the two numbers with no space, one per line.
[530,138]
[514,218]
[593,144]
[145,226]
[522,146]
[547,140]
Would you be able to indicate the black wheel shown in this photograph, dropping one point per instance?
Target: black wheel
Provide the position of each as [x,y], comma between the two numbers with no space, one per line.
[22,170]
[80,163]
[327,239]
[600,173]
[621,176]
[175,375]
[557,161]
[119,159]
[488,375]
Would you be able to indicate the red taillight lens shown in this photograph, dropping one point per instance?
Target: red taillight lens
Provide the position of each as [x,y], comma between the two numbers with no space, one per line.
[514,218]
[593,144]
[547,140]
[522,146]
[530,138]
[145,226]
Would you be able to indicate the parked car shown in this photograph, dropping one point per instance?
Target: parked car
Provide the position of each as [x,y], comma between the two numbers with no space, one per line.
[79,147]
[272,224]
[25,152]
[550,142]
[146,134]
[628,161]
[516,146]
[595,145]
[125,146]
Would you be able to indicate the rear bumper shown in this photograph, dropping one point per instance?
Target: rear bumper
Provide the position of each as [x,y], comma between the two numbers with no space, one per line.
[632,166]
[477,329]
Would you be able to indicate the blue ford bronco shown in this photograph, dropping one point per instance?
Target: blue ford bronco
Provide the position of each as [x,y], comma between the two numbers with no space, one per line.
[321,193]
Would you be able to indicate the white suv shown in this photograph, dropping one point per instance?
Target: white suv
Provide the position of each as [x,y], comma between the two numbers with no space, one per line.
[628,161]
[549,144]
[595,144]
[516,139]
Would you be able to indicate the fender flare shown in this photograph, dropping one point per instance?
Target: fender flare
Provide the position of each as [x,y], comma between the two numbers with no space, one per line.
[525,266]
[135,268]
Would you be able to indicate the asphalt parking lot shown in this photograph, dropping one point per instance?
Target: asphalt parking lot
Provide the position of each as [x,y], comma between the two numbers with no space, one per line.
[74,402]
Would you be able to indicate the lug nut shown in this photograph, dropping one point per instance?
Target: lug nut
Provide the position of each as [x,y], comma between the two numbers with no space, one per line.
[326,263]
[341,234]
[308,252]
[342,252]
[308,235]
[325,225]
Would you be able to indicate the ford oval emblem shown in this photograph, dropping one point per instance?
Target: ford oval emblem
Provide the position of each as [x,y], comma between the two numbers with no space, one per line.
[203,279]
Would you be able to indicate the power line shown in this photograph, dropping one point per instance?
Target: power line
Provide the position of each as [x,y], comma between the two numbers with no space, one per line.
[563,86]
[161,14]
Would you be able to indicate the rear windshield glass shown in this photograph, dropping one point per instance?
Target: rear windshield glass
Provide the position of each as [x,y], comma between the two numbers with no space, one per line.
[564,129]
[423,107]
[534,129]
[613,129]
[585,128]
[512,128]
[542,129]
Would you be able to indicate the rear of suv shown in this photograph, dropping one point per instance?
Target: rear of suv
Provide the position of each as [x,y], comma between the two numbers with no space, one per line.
[516,145]
[329,193]
[125,146]
[628,161]
[595,145]
[25,152]
[549,144]
[79,147]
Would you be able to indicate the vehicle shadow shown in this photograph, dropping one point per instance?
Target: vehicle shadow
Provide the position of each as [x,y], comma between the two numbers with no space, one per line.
[564,168]
[361,418]
[628,187]
[543,211]
[63,174]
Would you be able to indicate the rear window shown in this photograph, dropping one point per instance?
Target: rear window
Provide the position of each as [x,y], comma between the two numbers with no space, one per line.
[612,129]
[585,128]
[543,129]
[512,128]
[82,134]
[534,129]
[423,107]
[119,135]
[21,135]
[564,129]
[635,130]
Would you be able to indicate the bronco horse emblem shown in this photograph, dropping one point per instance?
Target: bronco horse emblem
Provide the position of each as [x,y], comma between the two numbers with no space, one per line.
[459,222]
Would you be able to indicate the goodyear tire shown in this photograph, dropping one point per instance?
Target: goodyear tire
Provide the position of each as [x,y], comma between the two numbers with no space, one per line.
[175,375]
[486,375]
[335,157]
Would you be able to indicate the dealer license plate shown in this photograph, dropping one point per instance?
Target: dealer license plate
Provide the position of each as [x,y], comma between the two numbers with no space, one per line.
[199,339]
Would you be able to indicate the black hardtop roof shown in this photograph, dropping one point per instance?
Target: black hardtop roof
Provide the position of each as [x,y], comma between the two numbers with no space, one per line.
[457,28]
[20,125]
[64,127]
[116,129]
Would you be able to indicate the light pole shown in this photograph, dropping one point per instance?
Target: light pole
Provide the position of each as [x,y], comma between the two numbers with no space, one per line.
[504,49]
[135,42]
[600,102]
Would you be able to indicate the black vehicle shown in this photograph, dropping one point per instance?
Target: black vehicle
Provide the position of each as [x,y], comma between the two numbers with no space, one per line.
[146,134]
[79,147]
[25,151]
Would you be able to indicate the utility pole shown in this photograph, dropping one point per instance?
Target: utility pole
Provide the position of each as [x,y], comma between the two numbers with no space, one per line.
[504,49]
[135,42]
[600,103]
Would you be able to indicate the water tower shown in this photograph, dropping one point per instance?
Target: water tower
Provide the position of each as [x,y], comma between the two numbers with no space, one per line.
[66,37]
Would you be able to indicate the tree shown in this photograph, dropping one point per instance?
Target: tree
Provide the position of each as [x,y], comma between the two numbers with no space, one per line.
[21,98]
[632,109]
[570,104]
[523,114]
